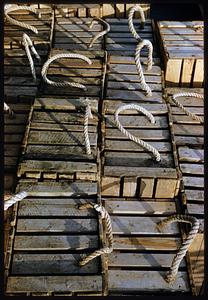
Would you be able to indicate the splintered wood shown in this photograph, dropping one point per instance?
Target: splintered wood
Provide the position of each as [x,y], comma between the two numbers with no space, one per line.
[182,50]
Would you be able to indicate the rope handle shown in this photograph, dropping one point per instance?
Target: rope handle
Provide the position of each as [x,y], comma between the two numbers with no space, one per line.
[185,110]
[18,23]
[27,42]
[104,215]
[135,8]
[171,274]
[14,199]
[8,110]
[141,44]
[102,33]
[131,136]
[88,115]
[63,83]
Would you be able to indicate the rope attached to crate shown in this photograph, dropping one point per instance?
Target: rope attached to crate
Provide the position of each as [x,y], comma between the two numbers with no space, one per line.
[28,43]
[131,136]
[148,44]
[18,23]
[185,110]
[14,199]
[135,8]
[171,275]
[8,110]
[102,33]
[88,114]
[63,83]
[109,231]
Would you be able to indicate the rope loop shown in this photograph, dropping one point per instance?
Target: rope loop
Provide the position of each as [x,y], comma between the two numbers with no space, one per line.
[186,111]
[63,83]
[171,274]
[141,44]
[18,23]
[8,110]
[102,33]
[88,115]
[28,43]
[135,8]
[14,199]
[109,231]
[143,144]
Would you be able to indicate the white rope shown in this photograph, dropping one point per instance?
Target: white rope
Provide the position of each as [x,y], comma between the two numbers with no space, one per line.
[63,83]
[109,231]
[14,199]
[102,33]
[18,23]
[130,20]
[28,43]
[8,110]
[190,114]
[171,275]
[131,136]
[141,44]
[88,114]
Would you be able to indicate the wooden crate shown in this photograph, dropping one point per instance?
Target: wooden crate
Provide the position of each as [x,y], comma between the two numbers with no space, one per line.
[50,236]
[78,10]
[54,144]
[127,169]
[142,254]
[189,138]
[122,10]
[182,50]
[42,40]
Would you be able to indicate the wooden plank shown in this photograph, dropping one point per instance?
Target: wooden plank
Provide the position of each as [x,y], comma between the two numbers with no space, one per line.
[184,119]
[57,189]
[150,281]
[140,225]
[146,187]
[194,195]
[187,154]
[150,260]
[93,91]
[187,70]
[195,209]
[193,182]
[179,24]
[190,130]
[58,127]
[131,69]
[139,207]
[130,187]
[172,73]
[54,242]
[33,264]
[132,86]
[131,146]
[199,73]
[53,225]
[121,77]
[144,134]
[139,121]
[110,186]
[189,140]
[196,110]
[194,169]
[54,283]
[134,95]
[139,172]
[108,10]
[119,10]
[77,27]
[166,188]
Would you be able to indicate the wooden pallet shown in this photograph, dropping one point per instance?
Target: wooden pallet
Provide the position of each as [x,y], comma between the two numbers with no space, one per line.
[142,255]
[189,138]
[182,50]
[128,170]
[49,237]
[54,142]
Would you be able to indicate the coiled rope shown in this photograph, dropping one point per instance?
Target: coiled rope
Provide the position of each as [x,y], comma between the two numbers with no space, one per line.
[104,215]
[18,23]
[171,275]
[14,199]
[130,20]
[63,83]
[131,136]
[190,114]
[8,110]
[148,44]
[28,43]
[102,33]
[88,114]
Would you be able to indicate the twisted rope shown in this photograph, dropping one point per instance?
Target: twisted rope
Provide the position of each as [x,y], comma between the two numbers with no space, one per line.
[190,114]
[63,83]
[131,136]
[104,215]
[88,114]
[18,23]
[14,199]
[130,20]
[171,275]
[102,33]
[8,110]
[142,81]
[28,43]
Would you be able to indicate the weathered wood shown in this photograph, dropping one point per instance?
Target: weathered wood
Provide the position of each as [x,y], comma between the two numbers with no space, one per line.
[187,154]
[195,209]
[192,169]
[127,78]
[54,283]
[190,130]
[139,121]
[193,182]
[166,188]
[132,86]
[131,69]
[172,73]
[156,109]
[187,70]
[144,134]
[139,96]
[152,281]
[146,187]
[194,195]
[40,264]
[130,187]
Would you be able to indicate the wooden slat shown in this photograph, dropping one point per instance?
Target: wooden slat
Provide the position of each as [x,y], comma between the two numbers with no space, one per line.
[192,169]
[190,130]
[144,134]
[137,121]
[187,154]
[130,146]
[194,195]
[134,95]
[193,181]
[111,106]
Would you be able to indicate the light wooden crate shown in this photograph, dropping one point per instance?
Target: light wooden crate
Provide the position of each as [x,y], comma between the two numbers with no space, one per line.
[182,50]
